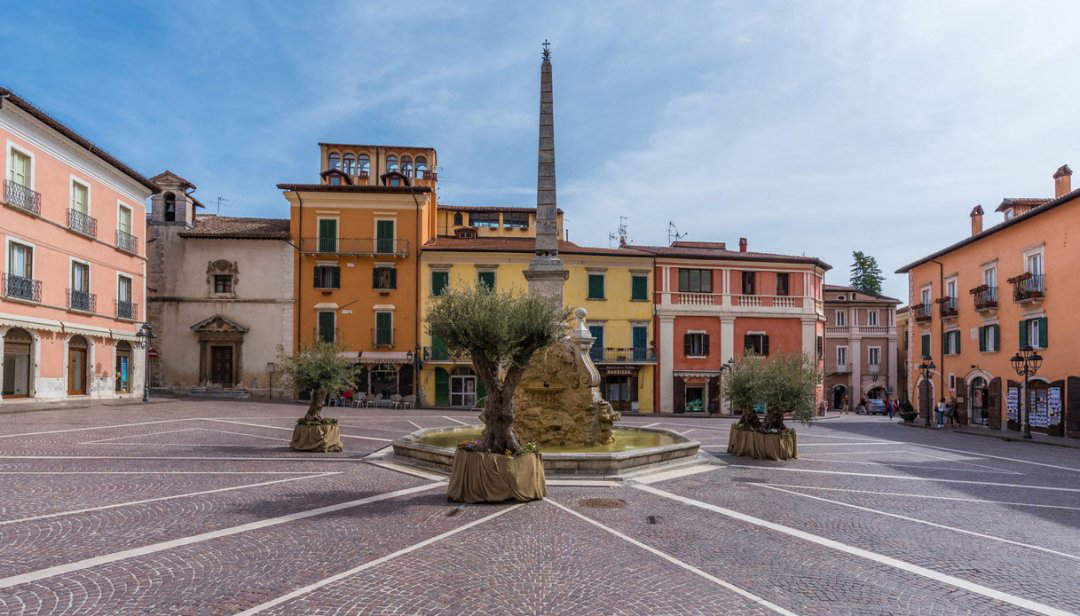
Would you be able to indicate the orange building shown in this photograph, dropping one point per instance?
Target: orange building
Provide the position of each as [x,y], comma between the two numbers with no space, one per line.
[358,234]
[975,303]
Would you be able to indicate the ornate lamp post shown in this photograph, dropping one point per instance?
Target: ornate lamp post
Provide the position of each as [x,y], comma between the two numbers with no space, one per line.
[927,367]
[1026,363]
[146,333]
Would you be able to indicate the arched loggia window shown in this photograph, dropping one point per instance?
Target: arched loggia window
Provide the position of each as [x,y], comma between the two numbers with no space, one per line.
[406,166]
[421,167]
[363,165]
[333,161]
[348,164]
[391,163]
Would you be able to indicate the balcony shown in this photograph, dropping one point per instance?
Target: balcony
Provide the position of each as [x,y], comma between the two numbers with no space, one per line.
[842,369]
[17,287]
[125,310]
[948,307]
[355,246]
[1028,287]
[127,242]
[985,297]
[81,223]
[922,312]
[746,301]
[696,299]
[623,355]
[22,198]
[776,301]
[82,301]
[382,338]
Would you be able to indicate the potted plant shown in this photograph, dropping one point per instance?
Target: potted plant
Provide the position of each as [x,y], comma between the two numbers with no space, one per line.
[907,412]
[320,370]
[499,332]
[783,384]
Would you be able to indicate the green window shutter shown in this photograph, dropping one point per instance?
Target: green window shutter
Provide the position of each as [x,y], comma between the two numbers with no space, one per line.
[384,236]
[997,338]
[640,338]
[487,279]
[335,277]
[597,351]
[384,329]
[327,235]
[956,342]
[438,348]
[1044,334]
[481,391]
[326,326]
[439,282]
[982,339]
[1023,333]
[640,288]
[596,286]
[442,387]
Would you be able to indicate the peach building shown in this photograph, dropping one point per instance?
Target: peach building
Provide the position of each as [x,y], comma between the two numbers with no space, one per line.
[975,303]
[860,346]
[73,280]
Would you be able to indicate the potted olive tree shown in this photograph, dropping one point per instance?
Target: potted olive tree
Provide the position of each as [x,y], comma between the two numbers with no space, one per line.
[499,332]
[320,370]
[783,384]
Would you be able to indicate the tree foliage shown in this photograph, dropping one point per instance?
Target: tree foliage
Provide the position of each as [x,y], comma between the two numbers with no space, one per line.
[783,384]
[320,369]
[865,274]
[499,332]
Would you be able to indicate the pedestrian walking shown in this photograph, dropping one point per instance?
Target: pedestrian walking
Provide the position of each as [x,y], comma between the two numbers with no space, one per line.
[940,413]
[890,406]
[951,414]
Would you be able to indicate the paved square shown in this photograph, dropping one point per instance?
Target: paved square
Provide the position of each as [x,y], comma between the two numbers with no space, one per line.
[200,508]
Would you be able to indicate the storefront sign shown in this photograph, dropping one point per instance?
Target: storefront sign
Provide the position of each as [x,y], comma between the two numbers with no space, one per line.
[1013,404]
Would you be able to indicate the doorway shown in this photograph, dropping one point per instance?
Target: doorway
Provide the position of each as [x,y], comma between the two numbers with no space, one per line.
[980,411]
[18,370]
[123,368]
[77,351]
[839,395]
[926,398]
[696,399]
[221,366]
[617,391]
[463,391]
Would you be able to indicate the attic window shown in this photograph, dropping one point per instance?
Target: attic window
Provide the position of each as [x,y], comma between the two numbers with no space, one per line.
[486,220]
[465,233]
[515,220]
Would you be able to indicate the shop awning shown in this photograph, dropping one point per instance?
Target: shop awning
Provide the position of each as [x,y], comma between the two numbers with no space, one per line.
[386,357]
[618,370]
[353,355]
[47,325]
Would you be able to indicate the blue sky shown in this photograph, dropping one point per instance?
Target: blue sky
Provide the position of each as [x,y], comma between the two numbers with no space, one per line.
[810,128]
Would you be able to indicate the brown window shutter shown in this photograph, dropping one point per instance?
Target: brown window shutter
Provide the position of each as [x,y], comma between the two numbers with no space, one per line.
[705,344]
[765,346]
[993,405]
[680,395]
[1072,413]
[686,345]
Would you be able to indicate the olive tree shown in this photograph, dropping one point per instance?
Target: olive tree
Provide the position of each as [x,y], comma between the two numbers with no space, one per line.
[782,384]
[499,332]
[318,368]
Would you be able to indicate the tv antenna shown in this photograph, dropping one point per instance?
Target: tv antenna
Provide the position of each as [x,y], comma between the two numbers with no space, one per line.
[622,235]
[220,200]
[673,234]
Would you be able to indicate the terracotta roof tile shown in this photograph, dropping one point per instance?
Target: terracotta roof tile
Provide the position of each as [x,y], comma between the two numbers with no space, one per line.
[520,244]
[490,208]
[230,227]
[695,252]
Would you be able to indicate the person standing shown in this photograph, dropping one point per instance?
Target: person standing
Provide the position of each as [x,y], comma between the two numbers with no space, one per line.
[942,407]
[890,406]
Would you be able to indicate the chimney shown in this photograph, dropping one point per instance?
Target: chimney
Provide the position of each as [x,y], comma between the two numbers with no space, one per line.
[1062,181]
[976,220]
[742,244]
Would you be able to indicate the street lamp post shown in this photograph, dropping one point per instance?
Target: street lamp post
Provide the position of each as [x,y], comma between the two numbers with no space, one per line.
[146,333]
[1026,363]
[927,367]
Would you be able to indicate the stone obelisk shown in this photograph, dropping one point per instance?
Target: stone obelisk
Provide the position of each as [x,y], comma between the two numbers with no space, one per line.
[546,274]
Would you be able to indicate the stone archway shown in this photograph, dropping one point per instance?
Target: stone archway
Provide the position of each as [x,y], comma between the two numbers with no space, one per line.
[17,380]
[221,342]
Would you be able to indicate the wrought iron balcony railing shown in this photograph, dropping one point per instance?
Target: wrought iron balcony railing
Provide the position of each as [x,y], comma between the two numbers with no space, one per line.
[18,196]
[82,300]
[18,287]
[985,297]
[382,337]
[125,310]
[355,246]
[922,312]
[1028,287]
[948,306]
[81,223]
[126,242]
[623,355]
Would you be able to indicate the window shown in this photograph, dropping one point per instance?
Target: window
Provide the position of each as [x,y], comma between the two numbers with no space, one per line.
[170,207]
[783,283]
[950,342]
[950,288]
[757,344]
[124,308]
[695,281]
[80,197]
[363,165]
[19,168]
[421,167]
[328,235]
[989,338]
[484,220]
[79,296]
[871,318]
[124,238]
[925,295]
[384,328]
[327,277]
[406,166]
[1034,264]
[841,318]
[639,288]
[596,286]
[874,356]
[385,277]
[327,326]
[391,163]
[841,356]
[1034,333]
[696,344]
[748,280]
[640,339]
[335,180]
[223,283]
[952,381]
[486,278]
[596,352]
[440,281]
[333,161]
[459,219]
[384,236]
[347,166]
[990,276]
[924,346]
[516,220]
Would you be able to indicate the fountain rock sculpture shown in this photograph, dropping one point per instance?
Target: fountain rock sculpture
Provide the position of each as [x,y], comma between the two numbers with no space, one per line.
[558,402]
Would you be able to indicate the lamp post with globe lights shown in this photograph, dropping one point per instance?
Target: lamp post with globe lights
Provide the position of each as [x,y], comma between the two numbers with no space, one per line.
[1026,363]
[146,334]
[927,367]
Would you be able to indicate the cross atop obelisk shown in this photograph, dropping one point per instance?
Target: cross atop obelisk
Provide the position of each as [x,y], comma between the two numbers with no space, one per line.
[546,273]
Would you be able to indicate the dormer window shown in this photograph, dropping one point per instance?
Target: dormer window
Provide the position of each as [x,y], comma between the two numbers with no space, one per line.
[465,233]
[421,167]
[395,178]
[363,165]
[336,177]
[391,163]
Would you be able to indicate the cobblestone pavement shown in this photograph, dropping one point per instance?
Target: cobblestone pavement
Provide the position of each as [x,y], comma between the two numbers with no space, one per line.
[200,508]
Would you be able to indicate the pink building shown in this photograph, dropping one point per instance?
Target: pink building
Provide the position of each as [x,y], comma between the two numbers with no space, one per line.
[73,269]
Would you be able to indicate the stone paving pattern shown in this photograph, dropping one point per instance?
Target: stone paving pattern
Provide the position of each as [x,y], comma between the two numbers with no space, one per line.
[70,479]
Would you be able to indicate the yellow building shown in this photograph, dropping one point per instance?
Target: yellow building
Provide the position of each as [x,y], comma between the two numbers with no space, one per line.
[614,285]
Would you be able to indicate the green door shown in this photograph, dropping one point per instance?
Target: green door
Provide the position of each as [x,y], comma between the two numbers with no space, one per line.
[384,329]
[384,236]
[442,387]
[641,342]
[327,235]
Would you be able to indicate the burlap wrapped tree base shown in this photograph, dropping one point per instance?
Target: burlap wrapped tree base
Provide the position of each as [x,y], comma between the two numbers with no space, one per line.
[493,478]
[324,438]
[763,446]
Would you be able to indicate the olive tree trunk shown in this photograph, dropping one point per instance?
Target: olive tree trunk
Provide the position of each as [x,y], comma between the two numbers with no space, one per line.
[498,415]
[315,406]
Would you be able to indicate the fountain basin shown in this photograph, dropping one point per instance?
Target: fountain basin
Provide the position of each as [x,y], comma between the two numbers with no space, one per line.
[633,448]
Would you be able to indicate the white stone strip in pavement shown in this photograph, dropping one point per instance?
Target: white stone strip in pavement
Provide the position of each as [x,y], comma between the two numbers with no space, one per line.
[127,425]
[986,455]
[130,436]
[408,470]
[921,521]
[164,498]
[859,444]
[414,424]
[908,453]
[675,561]
[650,425]
[97,561]
[197,458]
[929,468]
[889,561]
[303,590]
[906,478]
[677,473]
[244,423]
[980,501]
[955,461]
[456,420]
[156,472]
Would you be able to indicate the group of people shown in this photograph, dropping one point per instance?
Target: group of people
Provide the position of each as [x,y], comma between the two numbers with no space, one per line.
[891,406]
[946,410]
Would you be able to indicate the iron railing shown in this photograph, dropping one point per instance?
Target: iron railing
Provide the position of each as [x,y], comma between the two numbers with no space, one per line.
[948,306]
[21,197]
[922,312]
[1027,287]
[81,223]
[623,355]
[82,300]
[125,310]
[126,241]
[355,246]
[985,297]
[18,287]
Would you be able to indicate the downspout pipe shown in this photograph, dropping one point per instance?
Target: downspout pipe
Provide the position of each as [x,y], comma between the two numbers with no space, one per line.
[941,338]
[299,268]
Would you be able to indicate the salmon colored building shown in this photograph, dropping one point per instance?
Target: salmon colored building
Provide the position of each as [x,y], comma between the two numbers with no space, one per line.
[73,282]
[974,304]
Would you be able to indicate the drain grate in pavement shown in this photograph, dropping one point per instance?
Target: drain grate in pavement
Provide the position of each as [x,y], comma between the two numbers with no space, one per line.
[652,519]
[602,503]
